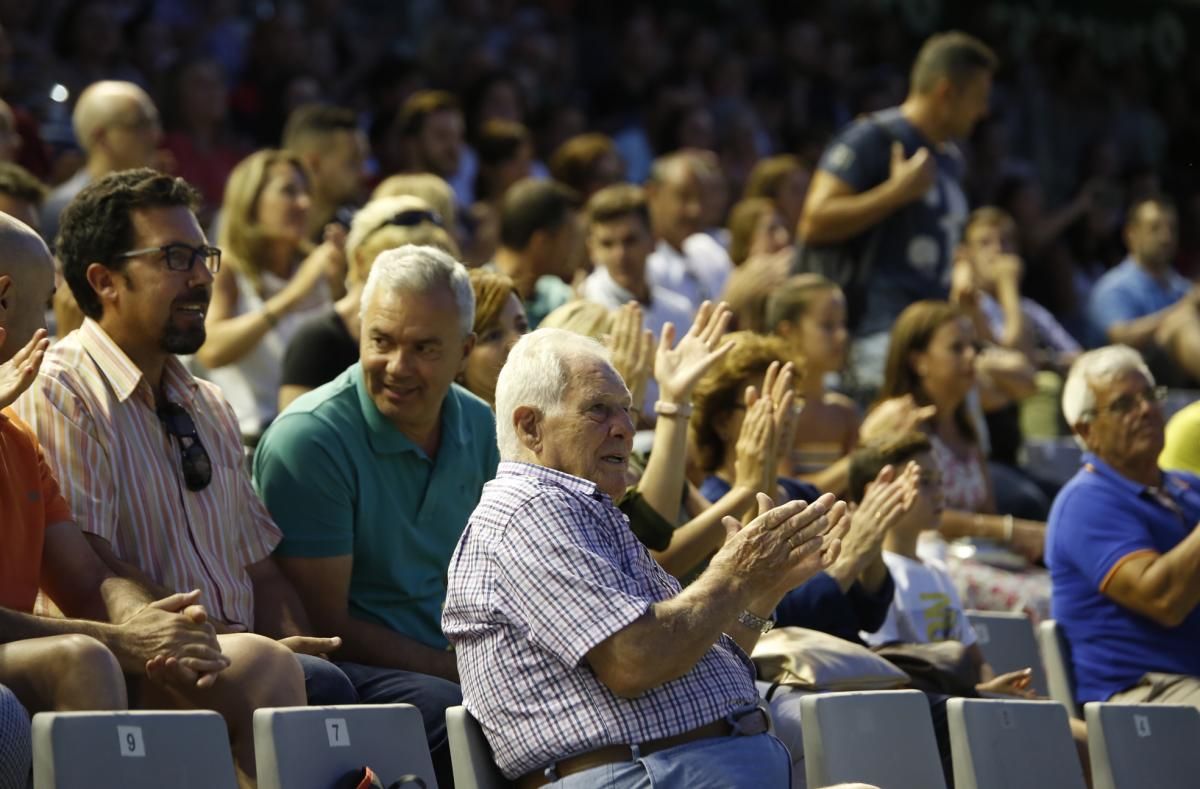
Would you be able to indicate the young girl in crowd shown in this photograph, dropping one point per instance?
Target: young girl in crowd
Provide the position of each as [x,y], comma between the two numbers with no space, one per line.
[809,313]
[272,280]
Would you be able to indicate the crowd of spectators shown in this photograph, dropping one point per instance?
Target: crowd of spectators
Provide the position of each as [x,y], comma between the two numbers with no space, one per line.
[524,355]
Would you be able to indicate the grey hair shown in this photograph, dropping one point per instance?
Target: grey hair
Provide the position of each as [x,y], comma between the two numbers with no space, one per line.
[1093,369]
[415,269]
[536,374]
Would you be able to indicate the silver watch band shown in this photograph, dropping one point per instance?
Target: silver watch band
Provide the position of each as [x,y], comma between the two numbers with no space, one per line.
[754,621]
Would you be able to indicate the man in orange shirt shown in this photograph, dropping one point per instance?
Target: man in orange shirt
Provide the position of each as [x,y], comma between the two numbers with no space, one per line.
[166,649]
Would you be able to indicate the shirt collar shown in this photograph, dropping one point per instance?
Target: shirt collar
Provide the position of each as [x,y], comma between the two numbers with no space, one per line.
[608,288]
[513,468]
[1096,466]
[125,377]
[385,438]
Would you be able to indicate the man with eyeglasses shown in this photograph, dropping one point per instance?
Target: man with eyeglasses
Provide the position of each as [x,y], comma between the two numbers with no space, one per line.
[117,126]
[150,458]
[1122,542]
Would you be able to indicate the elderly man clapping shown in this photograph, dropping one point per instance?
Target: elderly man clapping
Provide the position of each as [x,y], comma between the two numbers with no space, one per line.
[578,654]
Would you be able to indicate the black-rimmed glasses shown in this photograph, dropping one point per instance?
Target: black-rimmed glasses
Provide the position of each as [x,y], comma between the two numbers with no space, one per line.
[197,467]
[181,257]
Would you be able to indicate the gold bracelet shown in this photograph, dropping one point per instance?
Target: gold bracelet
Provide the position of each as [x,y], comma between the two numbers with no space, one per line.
[1008,528]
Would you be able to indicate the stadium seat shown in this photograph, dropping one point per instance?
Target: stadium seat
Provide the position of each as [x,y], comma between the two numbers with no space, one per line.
[878,737]
[1143,745]
[1009,644]
[474,767]
[314,747]
[132,750]
[998,744]
[1053,459]
[1056,658]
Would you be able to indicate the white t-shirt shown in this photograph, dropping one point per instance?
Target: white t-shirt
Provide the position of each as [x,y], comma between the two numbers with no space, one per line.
[697,273]
[925,608]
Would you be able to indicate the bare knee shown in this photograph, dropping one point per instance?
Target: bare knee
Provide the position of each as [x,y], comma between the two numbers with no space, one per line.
[71,672]
[266,672]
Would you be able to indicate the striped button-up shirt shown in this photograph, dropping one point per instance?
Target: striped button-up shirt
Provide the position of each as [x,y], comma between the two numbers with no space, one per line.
[547,569]
[121,472]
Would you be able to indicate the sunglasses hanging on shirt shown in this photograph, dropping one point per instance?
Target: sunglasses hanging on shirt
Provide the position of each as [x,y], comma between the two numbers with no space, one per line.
[193,457]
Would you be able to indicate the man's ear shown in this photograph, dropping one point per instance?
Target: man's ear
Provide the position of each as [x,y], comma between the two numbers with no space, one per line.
[7,294]
[468,346]
[103,281]
[1083,430]
[527,421]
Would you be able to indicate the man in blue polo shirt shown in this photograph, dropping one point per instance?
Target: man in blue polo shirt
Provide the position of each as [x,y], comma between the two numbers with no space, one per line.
[1122,542]
[372,477]
[1145,303]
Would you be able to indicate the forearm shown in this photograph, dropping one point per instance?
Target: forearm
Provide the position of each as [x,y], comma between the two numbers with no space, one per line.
[376,645]
[1009,296]
[124,597]
[834,478]
[278,610]
[703,535]
[838,218]
[1140,332]
[231,339]
[17,626]
[661,485]
[1174,578]
[874,574]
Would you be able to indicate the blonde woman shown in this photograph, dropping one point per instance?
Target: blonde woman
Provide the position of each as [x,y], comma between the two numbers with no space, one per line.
[272,281]
[327,343]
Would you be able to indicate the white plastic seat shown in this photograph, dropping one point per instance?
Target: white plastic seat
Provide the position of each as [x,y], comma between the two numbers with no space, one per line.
[314,747]
[998,744]
[1143,745]
[132,750]
[1009,644]
[473,763]
[1056,659]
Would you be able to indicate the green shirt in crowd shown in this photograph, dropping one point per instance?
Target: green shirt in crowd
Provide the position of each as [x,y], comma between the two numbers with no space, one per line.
[340,480]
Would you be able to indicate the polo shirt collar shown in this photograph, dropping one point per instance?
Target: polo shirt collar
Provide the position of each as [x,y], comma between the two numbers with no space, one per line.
[512,468]
[608,287]
[385,438]
[1112,476]
[125,377]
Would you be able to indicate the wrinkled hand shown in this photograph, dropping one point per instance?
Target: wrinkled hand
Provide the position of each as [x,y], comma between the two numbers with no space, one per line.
[679,369]
[632,350]
[751,468]
[1029,539]
[173,641]
[886,501]
[894,417]
[915,175]
[784,546]
[312,645]
[19,372]
[1014,683]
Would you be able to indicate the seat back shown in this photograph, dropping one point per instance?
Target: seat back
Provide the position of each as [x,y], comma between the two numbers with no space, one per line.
[998,744]
[1053,459]
[474,765]
[1143,745]
[879,737]
[314,747]
[1056,658]
[1009,644]
[132,750]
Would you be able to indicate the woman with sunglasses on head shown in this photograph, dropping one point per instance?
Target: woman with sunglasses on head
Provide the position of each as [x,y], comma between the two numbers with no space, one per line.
[272,281]
[327,343]
[931,371]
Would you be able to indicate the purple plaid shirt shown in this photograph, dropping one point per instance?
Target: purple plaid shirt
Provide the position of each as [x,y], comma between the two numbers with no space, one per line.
[547,569]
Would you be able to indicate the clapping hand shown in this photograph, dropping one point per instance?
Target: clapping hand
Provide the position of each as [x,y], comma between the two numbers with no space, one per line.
[632,350]
[679,369]
[18,372]
[895,417]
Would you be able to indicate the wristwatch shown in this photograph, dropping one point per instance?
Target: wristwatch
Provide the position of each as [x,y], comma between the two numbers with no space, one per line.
[755,622]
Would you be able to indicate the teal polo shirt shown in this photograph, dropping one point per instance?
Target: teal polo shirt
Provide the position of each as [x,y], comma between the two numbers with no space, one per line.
[340,479]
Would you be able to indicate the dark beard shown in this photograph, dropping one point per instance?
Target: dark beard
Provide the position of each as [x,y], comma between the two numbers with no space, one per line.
[182,341]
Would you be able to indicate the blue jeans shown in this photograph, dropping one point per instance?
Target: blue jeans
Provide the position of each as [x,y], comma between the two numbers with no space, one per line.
[431,695]
[326,684]
[758,762]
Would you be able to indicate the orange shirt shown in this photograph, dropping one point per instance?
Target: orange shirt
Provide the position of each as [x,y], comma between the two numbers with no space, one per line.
[29,502]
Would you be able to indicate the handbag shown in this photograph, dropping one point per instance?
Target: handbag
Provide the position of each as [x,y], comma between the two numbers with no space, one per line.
[811,660]
[937,667]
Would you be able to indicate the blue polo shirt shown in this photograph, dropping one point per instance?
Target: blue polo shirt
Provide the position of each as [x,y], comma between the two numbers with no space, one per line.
[1128,292]
[340,479]
[1097,520]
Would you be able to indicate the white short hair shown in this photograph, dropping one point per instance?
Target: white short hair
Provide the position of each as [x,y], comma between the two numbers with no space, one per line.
[536,374]
[1096,368]
[414,269]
